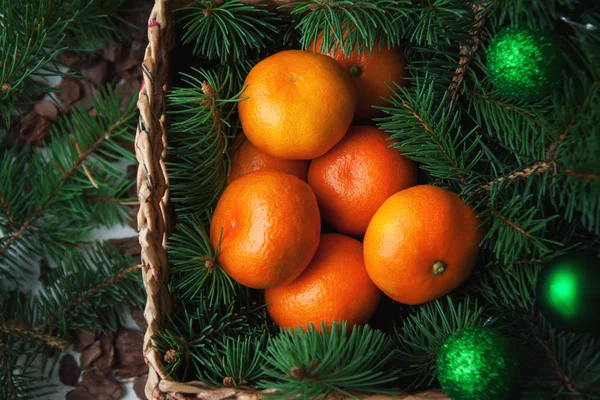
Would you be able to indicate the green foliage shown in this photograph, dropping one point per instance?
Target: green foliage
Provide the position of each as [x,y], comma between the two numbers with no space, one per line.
[75,185]
[438,22]
[421,335]
[202,126]
[21,377]
[540,14]
[193,266]
[52,197]
[196,339]
[240,361]
[508,288]
[347,24]
[312,364]
[522,228]
[432,135]
[227,31]
[87,289]
[34,33]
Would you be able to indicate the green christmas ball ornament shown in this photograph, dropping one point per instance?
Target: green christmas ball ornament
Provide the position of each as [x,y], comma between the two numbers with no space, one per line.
[478,363]
[525,64]
[568,292]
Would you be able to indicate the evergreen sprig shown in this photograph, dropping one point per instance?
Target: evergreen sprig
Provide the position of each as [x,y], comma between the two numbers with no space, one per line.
[34,33]
[536,14]
[89,289]
[194,340]
[310,364]
[22,377]
[348,24]
[194,268]
[422,334]
[202,126]
[240,361]
[227,31]
[86,290]
[430,133]
[75,185]
[521,226]
[437,22]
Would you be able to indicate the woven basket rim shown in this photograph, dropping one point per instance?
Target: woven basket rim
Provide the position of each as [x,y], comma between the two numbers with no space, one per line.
[153,218]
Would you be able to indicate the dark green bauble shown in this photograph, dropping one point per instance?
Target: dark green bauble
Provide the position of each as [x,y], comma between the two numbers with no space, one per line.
[568,292]
[525,64]
[478,363]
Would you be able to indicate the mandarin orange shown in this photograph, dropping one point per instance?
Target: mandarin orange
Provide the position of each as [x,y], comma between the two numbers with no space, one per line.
[372,72]
[354,178]
[297,104]
[266,226]
[334,287]
[248,158]
[421,244]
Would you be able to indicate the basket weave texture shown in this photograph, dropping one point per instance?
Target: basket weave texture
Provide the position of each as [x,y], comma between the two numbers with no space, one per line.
[153,217]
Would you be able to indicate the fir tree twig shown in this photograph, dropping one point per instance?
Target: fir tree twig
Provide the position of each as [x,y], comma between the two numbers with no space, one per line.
[21,330]
[38,212]
[8,384]
[468,50]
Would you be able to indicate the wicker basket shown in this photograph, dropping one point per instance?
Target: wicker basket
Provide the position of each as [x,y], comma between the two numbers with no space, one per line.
[153,217]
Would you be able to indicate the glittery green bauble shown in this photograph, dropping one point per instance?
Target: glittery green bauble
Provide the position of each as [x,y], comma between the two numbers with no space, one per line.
[568,292]
[524,64]
[478,363]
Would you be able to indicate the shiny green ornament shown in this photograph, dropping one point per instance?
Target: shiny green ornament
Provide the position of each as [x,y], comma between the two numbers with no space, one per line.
[525,64]
[568,292]
[478,363]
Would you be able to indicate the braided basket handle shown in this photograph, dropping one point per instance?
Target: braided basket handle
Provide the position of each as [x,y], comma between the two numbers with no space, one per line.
[153,185]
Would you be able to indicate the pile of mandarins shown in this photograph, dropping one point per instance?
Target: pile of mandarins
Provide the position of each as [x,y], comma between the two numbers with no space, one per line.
[300,160]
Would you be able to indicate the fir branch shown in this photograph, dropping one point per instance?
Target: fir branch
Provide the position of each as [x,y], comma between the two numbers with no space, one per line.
[228,30]
[468,50]
[508,286]
[202,125]
[551,357]
[502,104]
[93,292]
[540,14]
[431,134]
[510,223]
[38,212]
[347,25]
[312,364]
[8,387]
[114,200]
[57,210]
[516,227]
[194,268]
[551,150]
[193,339]
[422,334]
[21,376]
[20,330]
[88,290]
[9,214]
[537,168]
[39,32]
[241,361]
